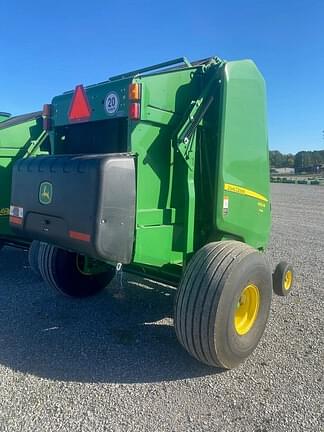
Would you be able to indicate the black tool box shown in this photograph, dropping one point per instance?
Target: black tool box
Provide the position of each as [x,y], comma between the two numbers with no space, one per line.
[85,203]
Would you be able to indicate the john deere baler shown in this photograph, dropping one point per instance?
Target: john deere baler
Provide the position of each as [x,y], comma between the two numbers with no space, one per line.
[163,170]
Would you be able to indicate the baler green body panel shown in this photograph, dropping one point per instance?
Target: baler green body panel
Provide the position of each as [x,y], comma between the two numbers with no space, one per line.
[232,144]
[18,139]
[243,181]
[161,174]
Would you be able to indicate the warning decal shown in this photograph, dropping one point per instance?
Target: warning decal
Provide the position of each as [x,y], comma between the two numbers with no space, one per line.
[225,205]
[111,103]
[16,211]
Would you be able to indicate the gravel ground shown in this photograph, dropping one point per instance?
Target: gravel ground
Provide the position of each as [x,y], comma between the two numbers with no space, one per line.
[111,365]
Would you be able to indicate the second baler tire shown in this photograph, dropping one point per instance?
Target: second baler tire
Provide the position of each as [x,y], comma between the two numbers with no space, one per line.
[58,268]
[279,279]
[207,299]
[33,253]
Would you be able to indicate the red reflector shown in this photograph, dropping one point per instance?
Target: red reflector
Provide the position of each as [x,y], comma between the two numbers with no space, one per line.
[79,236]
[135,111]
[15,220]
[80,108]
[47,110]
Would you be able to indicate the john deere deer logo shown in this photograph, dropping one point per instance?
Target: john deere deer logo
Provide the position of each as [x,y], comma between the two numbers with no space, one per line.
[45,193]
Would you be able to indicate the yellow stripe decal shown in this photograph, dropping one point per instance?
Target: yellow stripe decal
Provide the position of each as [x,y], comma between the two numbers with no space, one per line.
[243,191]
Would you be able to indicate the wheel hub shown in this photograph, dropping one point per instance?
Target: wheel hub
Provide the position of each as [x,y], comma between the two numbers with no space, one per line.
[247,309]
[288,280]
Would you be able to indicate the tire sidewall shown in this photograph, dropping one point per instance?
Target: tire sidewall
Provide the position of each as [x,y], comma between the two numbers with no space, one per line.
[279,279]
[71,281]
[231,347]
[59,269]
[33,257]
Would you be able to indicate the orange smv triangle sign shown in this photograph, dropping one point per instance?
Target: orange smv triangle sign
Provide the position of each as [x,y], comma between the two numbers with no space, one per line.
[80,108]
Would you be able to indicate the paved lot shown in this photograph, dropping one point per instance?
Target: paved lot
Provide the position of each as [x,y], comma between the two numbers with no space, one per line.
[108,365]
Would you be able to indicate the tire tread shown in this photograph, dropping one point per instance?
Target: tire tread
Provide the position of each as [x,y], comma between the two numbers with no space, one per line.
[194,316]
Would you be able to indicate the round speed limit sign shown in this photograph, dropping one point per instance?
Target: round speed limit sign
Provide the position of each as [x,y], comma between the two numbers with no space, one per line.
[111,102]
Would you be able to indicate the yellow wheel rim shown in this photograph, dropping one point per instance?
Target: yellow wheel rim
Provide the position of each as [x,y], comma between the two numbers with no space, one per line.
[288,280]
[247,309]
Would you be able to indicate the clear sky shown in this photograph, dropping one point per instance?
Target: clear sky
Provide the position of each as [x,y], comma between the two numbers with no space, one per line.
[49,47]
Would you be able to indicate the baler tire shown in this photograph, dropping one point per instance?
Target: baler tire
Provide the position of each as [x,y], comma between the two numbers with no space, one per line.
[33,253]
[283,278]
[59,269]
[209,300]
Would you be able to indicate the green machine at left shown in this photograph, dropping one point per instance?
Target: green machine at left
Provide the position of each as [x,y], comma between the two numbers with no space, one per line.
[21,136]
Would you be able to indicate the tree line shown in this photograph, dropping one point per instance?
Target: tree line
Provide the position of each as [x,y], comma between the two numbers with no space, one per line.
[308,161]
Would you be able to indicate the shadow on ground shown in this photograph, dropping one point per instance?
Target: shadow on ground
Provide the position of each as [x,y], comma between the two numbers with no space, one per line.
[100,339]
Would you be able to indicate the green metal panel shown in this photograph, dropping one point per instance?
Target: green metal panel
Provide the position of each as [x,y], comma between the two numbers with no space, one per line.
[243,195]
[18,138]
[165,99]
